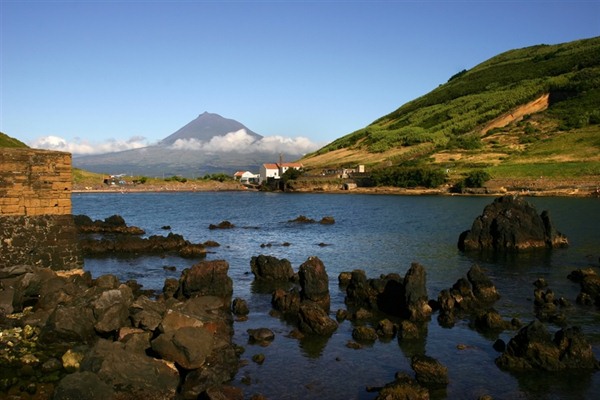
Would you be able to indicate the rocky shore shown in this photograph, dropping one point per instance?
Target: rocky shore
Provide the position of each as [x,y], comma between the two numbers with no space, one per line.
[64,335]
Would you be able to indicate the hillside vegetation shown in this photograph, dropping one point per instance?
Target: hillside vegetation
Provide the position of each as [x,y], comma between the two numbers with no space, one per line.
[7,141]
[525,113]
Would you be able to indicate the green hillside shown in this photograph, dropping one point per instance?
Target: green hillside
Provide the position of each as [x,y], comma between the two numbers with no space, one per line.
[537,107]
[7,141]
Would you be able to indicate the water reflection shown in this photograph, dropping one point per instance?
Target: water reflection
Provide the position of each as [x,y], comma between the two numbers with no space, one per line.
[312,346]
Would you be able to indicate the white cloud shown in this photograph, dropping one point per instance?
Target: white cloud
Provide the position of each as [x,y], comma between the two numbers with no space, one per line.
[233,142]
[85,147]
[241,142]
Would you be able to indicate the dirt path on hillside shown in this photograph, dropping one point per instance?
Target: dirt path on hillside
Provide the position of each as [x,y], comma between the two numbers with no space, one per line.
[537,105]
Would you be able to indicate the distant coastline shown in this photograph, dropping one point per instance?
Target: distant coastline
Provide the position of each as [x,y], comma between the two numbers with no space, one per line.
[525,187]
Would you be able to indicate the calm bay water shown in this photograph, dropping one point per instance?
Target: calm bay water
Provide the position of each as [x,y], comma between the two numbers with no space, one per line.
[379,234]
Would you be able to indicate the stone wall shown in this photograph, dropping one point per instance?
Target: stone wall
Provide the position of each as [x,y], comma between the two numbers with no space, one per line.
[36,225]
[42,240]
[35,182]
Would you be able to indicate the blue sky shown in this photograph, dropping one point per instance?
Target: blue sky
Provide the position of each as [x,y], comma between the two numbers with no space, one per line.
[107,75]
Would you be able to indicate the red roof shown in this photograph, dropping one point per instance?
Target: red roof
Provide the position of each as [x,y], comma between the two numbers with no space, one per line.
[288,165]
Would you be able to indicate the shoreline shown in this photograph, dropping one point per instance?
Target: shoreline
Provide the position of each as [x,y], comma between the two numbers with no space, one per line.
[590,189]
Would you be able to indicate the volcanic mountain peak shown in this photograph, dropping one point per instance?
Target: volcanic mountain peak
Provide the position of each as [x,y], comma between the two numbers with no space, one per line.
[207,126]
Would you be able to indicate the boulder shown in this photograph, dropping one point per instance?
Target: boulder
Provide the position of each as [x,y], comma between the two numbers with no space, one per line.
[483,288]
[222,225]
[206,278]
[111,309]
[286,302]
[239,307]
[364,334]
[270,268]
[404,387]
[386,328]
[314,282]
[146,314]
[359,292]
[223,363]
[533,348]
[261,336]
[416,304]
[188,347]
[131,373]
[511,223]
[314,320]
[408,330]
[83,385]
[491,321]
[429,371]
[69,323]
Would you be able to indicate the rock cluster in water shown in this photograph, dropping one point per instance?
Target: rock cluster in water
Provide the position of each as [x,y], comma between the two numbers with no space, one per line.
[119,238]
[511,223]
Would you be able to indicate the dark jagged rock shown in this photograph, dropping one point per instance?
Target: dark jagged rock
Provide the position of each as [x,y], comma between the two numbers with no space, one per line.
[404,297]
[302,219]
[548,308]
[408,330]
[260,335]
[511,223]
[286,302]
[386,328]
[415,294]
[312,319]
[483,288]
[83,385]
[533,348]
[314,283]
[472,295]
[403,387]
[240,307]
[270,268]
[172,243]
[187,346]
[328,220]
[364,334]
[222,225]
[207,278]
[429,371]
[112,224]
[491,321]
[135,372]
[359,292]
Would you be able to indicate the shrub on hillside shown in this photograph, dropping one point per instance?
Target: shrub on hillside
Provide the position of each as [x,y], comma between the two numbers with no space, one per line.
[403,176]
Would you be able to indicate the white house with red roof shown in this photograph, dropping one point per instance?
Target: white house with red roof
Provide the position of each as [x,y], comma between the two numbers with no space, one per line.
[275,170]
[245,177]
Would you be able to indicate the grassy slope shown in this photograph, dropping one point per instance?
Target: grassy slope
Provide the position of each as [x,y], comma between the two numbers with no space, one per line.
[445,128]
[7,141]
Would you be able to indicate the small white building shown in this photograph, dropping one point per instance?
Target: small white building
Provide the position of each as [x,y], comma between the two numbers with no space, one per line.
[245,177]
[275,170]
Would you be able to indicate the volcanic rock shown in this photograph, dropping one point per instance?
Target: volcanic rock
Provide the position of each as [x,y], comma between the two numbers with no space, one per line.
[511,223]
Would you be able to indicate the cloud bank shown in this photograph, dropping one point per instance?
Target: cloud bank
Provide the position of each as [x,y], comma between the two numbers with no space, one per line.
[84,147]
[241,142]
[234,142]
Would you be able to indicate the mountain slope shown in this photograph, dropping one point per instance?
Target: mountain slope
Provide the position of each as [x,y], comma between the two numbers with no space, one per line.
[205,127]
[525,106]
[7,141]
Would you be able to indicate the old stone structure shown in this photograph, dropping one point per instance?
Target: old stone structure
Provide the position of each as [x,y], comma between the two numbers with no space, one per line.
[36,225]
